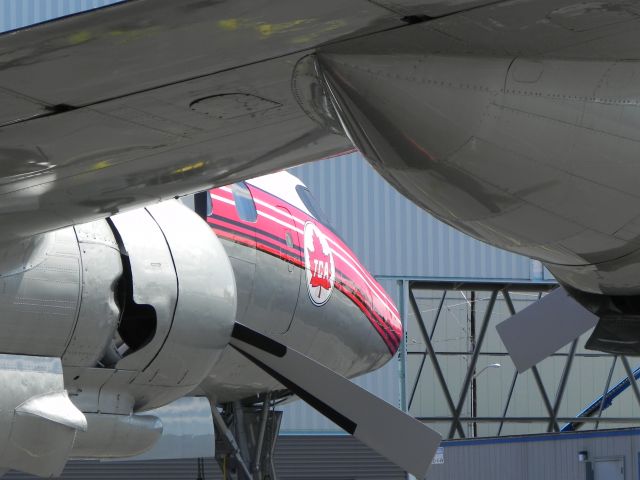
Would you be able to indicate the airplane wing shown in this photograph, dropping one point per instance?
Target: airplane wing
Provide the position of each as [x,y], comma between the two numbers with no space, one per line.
[143,100]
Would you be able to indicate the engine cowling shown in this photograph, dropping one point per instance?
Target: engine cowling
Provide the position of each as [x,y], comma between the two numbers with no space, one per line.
[179,302]
[137,308]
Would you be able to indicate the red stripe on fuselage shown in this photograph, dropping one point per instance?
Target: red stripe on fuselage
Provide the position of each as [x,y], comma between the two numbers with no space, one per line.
[266,234]
[348,263]
[376,321]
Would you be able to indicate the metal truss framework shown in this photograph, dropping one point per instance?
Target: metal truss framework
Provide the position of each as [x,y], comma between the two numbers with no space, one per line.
[455,406]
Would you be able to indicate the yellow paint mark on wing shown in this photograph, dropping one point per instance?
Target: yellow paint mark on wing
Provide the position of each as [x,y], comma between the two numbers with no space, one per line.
[229,24]
[126,36]
[326,27]
[79,37]
[268,29]
[100,165]
[264,29]
[188,168]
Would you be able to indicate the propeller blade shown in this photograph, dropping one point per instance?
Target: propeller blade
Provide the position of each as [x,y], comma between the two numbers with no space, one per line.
[392,433]
[544,327]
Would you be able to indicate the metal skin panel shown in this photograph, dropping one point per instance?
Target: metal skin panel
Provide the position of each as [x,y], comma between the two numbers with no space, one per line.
[276,284]
[43,296]
[85,387]
[154,279]
[178,267]
[122,147]
[116,436]
[16,257]
[183,152]
[206,306]
[543,88]
[39,423]
[531,154]
[132,104]
[337,335]
[99,315]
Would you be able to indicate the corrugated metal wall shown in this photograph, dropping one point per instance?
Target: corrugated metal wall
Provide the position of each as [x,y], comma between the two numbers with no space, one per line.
[20,13]
[540,457]
[296,458]
[548,457]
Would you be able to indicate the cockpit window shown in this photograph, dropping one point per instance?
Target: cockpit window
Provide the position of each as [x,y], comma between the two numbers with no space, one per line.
[245,206]
[312,205]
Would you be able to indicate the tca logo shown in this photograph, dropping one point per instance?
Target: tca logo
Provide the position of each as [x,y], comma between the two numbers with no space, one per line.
[319,265]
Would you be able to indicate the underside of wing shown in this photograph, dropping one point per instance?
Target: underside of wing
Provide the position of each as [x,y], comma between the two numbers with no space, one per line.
[143,100]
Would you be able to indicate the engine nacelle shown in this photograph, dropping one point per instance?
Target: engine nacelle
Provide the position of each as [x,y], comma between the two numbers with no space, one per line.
[116,436]
[179,302]
[139,307]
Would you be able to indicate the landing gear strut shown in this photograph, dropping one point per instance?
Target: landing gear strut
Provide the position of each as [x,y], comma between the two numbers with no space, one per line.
[245,439]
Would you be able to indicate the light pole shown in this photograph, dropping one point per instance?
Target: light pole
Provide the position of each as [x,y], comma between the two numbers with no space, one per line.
[474,396]
[491,365]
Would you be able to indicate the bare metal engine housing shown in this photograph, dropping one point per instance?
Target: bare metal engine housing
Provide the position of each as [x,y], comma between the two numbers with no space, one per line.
[137,308]
[179,270]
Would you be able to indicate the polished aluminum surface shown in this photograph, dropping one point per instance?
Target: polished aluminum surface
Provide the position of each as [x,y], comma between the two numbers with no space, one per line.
[518,136]
[99,314]
[180,268]
[153,278]
[337,334]
[42,296]
[206,307]
[116,436]
[187,430]
[164,98]
[38,421]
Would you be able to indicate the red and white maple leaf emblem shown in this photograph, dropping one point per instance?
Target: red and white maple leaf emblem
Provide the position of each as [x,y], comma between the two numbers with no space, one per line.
[318,259]
[319,263]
